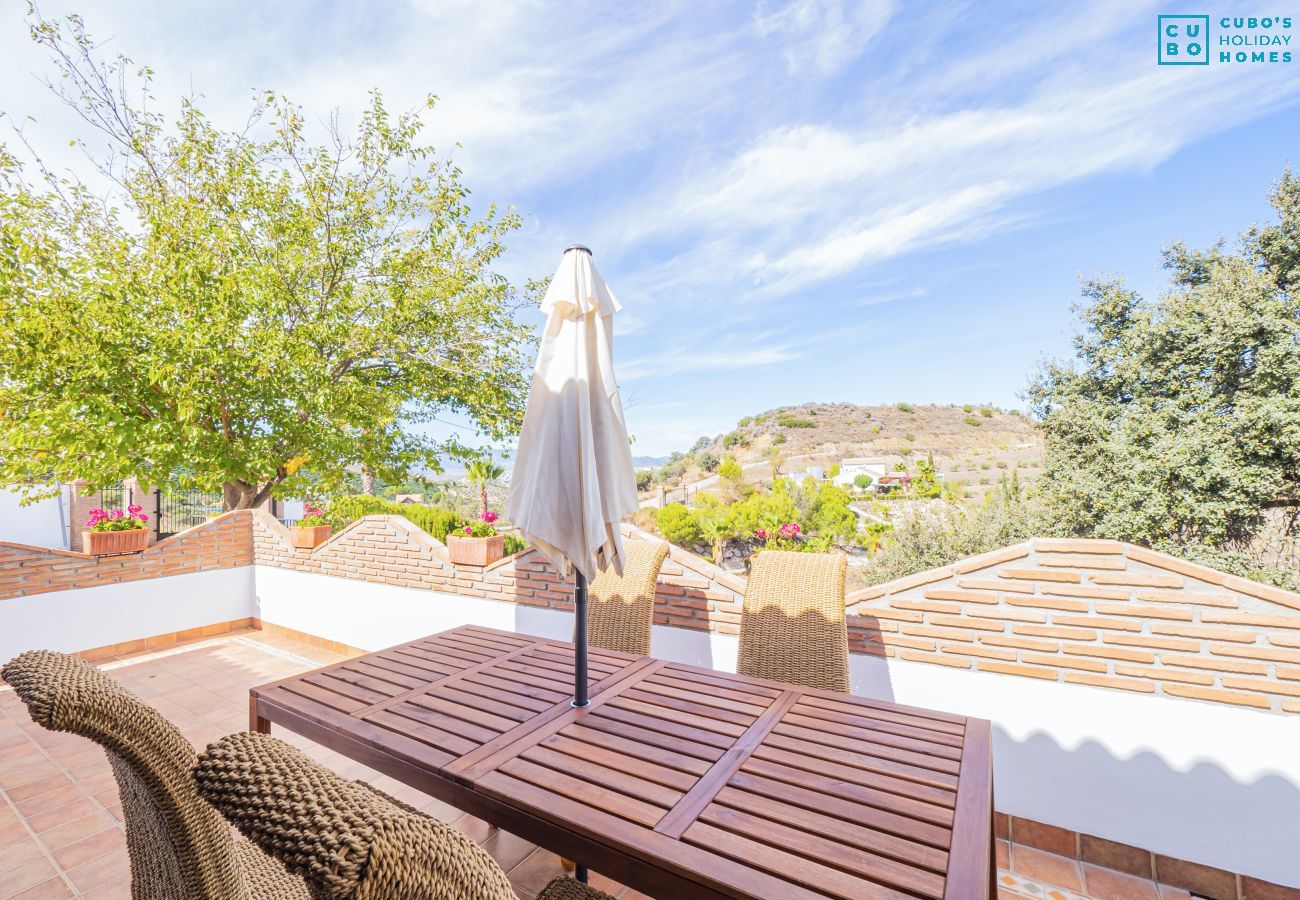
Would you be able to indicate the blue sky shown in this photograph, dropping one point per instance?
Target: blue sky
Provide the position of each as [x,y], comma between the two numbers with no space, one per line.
[870,202]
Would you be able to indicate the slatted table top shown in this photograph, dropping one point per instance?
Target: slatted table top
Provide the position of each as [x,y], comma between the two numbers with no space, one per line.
[676,778]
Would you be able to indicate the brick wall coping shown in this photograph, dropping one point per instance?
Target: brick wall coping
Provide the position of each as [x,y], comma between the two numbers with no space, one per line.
[1087,546]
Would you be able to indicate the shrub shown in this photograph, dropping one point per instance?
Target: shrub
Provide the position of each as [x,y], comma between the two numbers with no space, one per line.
[730,470]
[708,462]
[973,422]
[734,439]
[678,524]
[966,407]
[787,420]
[906,451]
[778,439]
[643,479]
[931,540]
[435,520]
[513,544]
[1001,463]
[987,412]
[862,482]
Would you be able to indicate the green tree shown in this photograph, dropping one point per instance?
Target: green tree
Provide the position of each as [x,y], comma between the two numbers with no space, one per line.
[481,473]
[246,310]
[1177,423]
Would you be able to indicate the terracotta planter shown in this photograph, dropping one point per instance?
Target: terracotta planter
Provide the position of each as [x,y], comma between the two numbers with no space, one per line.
[100,543]
[311,536]
[476,551]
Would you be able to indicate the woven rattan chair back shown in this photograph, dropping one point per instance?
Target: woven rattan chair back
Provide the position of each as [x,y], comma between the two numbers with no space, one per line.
[622,607]
[179,846]
[345,838]
[792,623]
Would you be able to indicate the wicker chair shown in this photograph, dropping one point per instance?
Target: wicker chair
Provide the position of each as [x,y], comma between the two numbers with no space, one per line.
[792,623]
[345,838]
[178,845]
[622,607]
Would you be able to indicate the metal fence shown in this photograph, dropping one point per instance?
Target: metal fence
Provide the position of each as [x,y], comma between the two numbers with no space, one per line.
[176,510]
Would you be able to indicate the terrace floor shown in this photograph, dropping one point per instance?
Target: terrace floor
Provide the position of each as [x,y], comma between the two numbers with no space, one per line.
[60,820]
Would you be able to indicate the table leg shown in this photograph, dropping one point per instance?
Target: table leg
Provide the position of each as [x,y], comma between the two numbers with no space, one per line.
[255,722]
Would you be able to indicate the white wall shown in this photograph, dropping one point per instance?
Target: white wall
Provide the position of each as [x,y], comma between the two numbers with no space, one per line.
[112,613]
[1196,781]
[41,524]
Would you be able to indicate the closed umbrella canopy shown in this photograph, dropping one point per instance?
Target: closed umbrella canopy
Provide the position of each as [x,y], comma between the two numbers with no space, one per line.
[573,478]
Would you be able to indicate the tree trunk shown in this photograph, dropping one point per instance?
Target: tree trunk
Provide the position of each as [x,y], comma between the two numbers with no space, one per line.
[482,499]
[238,495]
[242,495]
[367,480]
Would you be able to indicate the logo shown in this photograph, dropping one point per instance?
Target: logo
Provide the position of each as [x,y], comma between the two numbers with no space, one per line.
[1183,40]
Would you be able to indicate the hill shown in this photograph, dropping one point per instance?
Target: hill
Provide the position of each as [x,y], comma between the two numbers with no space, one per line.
[972,444]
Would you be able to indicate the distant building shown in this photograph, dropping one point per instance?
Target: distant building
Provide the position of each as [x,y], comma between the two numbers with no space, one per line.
[874,467]
[409,498]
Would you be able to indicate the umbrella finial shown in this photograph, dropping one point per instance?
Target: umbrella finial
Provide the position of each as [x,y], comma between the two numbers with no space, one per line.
[586,250]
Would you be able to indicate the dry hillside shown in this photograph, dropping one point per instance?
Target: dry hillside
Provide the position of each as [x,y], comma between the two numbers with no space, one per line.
[971,444]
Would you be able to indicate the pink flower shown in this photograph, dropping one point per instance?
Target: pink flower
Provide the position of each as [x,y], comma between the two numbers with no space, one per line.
[135,508]
[142,517]
[117,514]
[761,534]
[489,516]
[469,529]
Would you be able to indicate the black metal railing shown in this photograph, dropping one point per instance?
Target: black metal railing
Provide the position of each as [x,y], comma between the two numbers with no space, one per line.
[175,510]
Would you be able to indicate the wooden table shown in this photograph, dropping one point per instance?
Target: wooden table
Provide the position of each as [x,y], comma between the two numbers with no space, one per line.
[677,780]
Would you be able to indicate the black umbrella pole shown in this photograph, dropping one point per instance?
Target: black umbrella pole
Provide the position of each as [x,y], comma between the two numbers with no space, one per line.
[580,639]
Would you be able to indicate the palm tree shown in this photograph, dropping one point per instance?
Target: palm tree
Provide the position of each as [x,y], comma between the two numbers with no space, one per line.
[716,530]
[480,473]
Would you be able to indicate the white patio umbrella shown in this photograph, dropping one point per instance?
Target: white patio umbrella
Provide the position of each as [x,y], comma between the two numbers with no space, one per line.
[573,478]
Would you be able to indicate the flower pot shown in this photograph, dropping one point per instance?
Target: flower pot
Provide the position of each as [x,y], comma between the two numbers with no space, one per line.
[475,551]
[311,536]
[100,543]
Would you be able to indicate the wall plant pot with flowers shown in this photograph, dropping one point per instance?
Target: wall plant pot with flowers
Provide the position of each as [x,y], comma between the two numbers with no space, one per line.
[476,542]
[313,529]
[115,531]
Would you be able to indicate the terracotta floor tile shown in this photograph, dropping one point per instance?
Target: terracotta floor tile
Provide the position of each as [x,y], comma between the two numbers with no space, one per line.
[1042,866]
[68,792]
[110,840]
[507,849]
[534,872]
[1113,885]
[26,875]
[53,889]
[106,869]
[78,829]
[51,816]
[477,830]
[18,852]
[115,889]
[12,833]
[1003,851]
[38,787]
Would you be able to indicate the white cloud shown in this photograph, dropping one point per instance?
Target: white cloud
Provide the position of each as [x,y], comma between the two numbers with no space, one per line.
[825,35]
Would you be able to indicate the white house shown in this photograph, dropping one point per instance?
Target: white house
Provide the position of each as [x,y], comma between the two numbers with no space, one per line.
[871,466]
